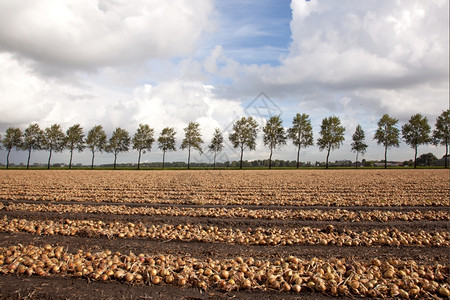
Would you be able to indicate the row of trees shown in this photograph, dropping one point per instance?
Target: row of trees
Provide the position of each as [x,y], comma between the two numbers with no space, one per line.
[243,136]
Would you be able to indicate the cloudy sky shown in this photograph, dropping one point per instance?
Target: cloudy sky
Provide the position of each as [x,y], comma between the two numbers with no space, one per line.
[119,63]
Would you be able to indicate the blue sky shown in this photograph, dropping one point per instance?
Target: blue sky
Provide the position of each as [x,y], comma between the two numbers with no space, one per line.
[166,63]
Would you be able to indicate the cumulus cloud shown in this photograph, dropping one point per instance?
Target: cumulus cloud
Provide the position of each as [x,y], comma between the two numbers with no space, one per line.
[89,34]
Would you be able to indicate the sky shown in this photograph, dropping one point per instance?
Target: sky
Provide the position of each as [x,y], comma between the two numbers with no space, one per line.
[120,63]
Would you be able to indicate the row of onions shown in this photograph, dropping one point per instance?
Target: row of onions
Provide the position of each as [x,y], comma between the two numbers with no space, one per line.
[238,212]
[373,278]
[214,234]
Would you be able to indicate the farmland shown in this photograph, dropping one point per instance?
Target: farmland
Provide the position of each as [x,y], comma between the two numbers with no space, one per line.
[221,234]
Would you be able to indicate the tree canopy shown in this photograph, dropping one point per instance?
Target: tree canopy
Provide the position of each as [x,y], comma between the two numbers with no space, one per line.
[33,139]
[216,144]
[166,141]
[192,139]
[54,140]
[441,133]
[245,131]
[358,145]
[274,135]
[387,134]
[12,139]
[301,133]
[118,142]
[331,135]
[74,140]
[416,132]
[143,140]
[96,141]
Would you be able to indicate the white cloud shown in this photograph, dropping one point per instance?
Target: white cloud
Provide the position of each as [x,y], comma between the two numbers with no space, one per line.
[88,34]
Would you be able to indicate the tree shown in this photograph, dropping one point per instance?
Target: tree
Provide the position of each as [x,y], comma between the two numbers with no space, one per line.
[427,159]
[416,132]
[143,140]
[166,141]
[331,135]
[441,135]
[119,142]
[245,131]
[216,144]
[33,138]
[274,135]
[96,141]
[54,140]
[358,144]
[387,134]
[12,139]
[74,140]
[192,139]
[301,133]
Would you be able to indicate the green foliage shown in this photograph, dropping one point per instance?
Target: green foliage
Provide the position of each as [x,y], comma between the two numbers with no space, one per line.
[12,139]
[217,141]
[143,140]
[216,144]
[54,140]
[358,144]
[301,133]
[166,141]
[427,159]
[416,132]
[192,137]
[245,131]
[441,133]
[96,141]
[33,139]
[331,135]
[274,135]
[119,142]
[387,134]
[358,137]
[75,138]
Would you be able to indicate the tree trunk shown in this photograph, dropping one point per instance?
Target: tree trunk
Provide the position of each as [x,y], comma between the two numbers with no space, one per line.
[356,163]
[115,160]
[92,164]
[139,159]
[242,154]
[298,157]
[70,161]
[270,159]
[49,158]
[189,157]
[164,156]
[415,157]
[7,159]
[215,153]
[29,155]
[328,154]
[385,157]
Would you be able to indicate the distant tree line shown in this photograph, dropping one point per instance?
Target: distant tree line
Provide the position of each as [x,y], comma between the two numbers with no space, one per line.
[243,136]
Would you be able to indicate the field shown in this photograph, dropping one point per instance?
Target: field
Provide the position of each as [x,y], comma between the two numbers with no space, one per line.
[223,234]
